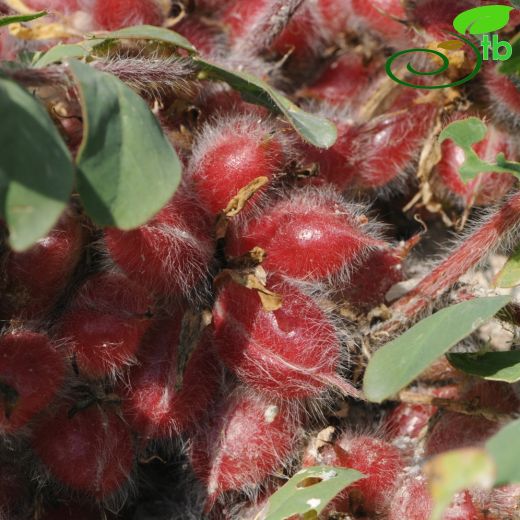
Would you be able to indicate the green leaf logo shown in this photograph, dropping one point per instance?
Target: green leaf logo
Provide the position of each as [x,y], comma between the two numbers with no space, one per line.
[481,20]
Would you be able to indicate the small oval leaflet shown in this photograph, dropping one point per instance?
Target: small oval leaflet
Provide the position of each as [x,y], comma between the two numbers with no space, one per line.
[309,492]
[36,170]
[127,168]
[395,365]
[494,366]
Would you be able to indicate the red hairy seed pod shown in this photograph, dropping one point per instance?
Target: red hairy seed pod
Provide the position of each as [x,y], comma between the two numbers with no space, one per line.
[454,430]
[116,14]
[410,420]
[32,294]
[337,164]
[292,352]
[246,17]
[62,6]
[382,464]
[170,254]
[390,143]
[370,281]
[199,33]
[343,82]
[313,235]
[334,15]
[435,17]
[248,439]
[487,188]
[31,372]
[105,323]
[381,17]
[302,34]
[241,16]
[90,450]
[152,405]
[503,93]
[413,502]
[229,154]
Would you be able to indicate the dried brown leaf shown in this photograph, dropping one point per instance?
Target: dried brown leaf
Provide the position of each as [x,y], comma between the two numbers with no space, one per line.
[238,202]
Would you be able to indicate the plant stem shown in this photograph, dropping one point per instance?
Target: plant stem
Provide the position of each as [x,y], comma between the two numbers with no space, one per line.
[470,253]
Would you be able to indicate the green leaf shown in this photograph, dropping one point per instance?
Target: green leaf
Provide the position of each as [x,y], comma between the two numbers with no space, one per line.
[36,170]
[484,19]
[509,275]
[61,52]
[453,471]
[504,447]
[19,18]
[309,492]
[149,32]
[127,169]
[467,132]
[317,130]
[495,366]
[395,365]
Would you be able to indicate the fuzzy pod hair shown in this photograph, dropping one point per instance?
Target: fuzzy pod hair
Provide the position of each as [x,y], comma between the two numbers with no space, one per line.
[289,353]
[88,449]
[454,430]
[382,20]
[343,82]
[32,371]
[268,22]
[390,146]
[31,294]
[498,229]
[60,6]
[408,422]
[380,461]
[153,77]
[104,324]
[154,406]
[231,152]
[172,253]
[312,235]
[372,278]
[433,19]
[503,96]
[413,502]
[337,165]
[116,14]
[247,440]
[283,27]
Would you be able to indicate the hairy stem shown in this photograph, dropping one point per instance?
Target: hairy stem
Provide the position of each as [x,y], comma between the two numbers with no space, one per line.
[273,22]
[470,253]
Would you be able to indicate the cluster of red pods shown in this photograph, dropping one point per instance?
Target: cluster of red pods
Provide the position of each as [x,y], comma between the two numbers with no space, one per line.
[231,346]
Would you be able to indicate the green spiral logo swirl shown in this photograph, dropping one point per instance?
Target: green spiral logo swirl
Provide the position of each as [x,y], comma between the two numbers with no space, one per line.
[443,68]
